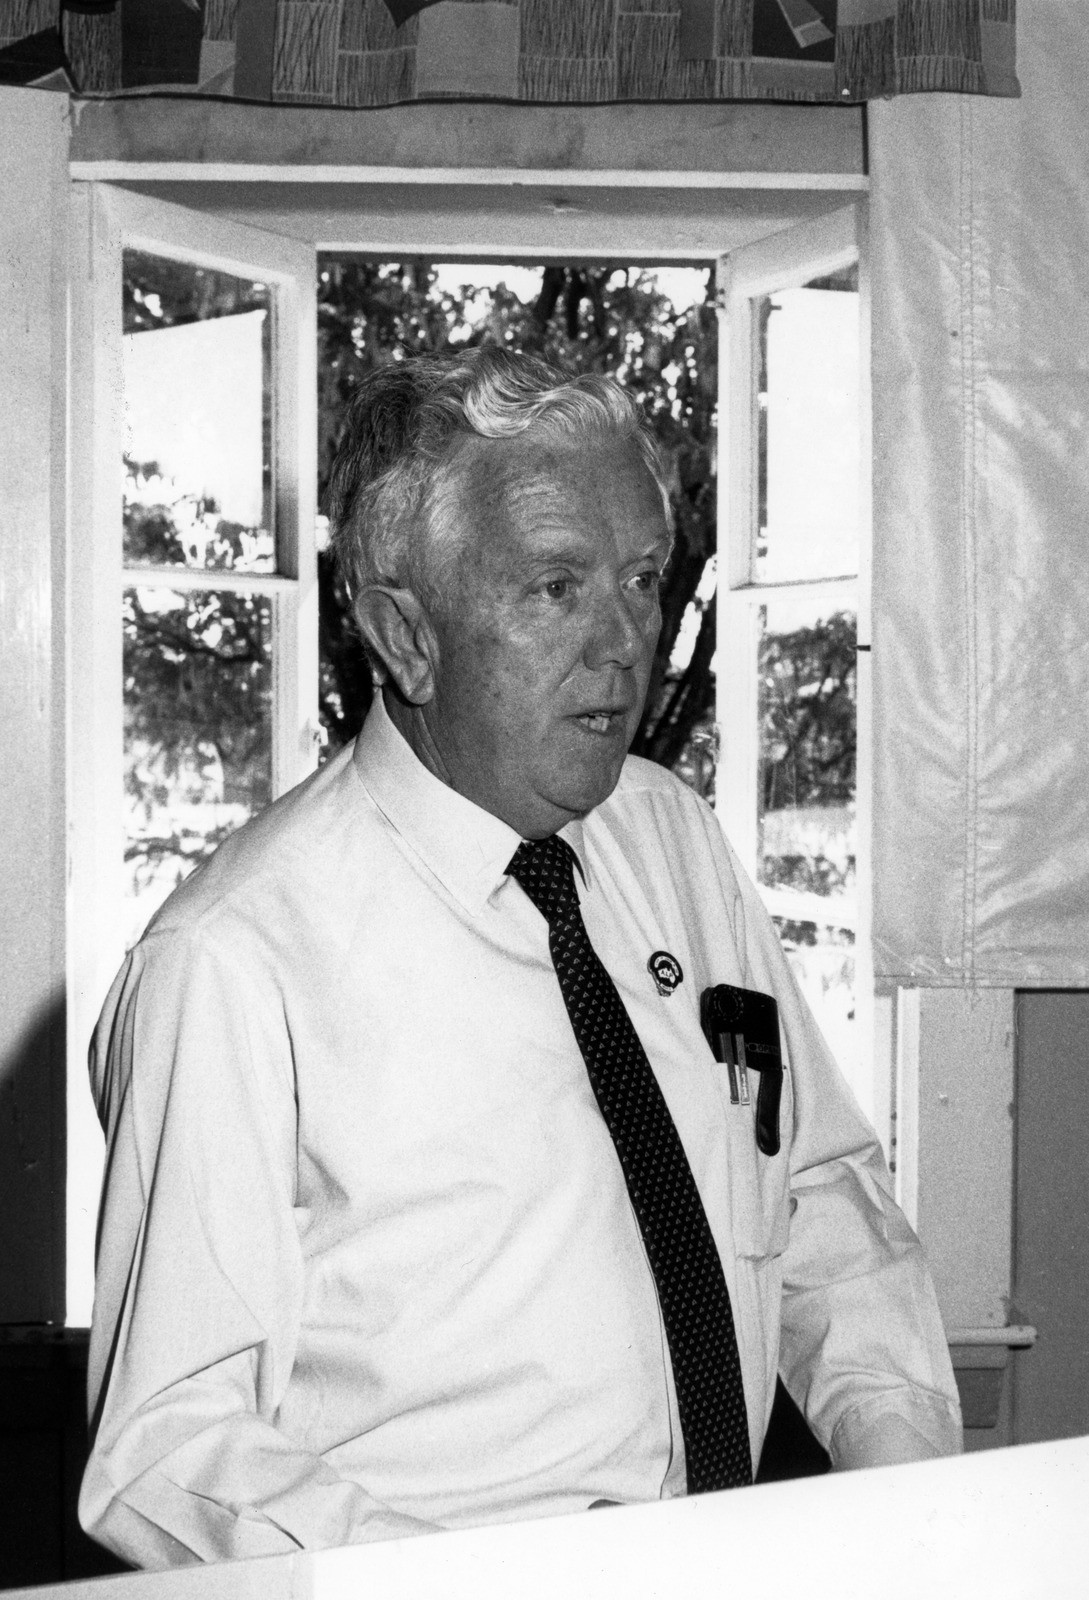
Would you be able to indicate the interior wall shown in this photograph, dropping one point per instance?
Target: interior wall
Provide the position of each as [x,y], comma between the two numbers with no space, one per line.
[223,140]
[1050,1391]
[33,286]
[966,1072]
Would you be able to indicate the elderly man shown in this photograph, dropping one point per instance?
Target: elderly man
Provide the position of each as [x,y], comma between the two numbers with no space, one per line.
[430,1200]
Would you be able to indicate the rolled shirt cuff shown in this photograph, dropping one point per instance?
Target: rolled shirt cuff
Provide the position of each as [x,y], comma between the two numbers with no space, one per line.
[897,1426]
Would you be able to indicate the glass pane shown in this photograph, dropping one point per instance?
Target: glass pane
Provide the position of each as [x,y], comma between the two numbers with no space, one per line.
[198,732]
[196,372]
[806,804]
[808,431]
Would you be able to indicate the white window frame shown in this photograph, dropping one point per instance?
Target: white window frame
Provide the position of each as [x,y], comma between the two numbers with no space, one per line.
[106,221]
[788,260]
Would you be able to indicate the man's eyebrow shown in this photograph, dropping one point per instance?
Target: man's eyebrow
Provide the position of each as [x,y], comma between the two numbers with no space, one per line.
[560,554]
[659,548]
[555,553]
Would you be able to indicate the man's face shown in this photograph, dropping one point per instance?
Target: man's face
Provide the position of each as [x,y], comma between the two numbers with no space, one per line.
[546,635]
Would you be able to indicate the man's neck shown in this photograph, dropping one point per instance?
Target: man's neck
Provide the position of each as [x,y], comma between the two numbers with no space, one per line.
[411,724]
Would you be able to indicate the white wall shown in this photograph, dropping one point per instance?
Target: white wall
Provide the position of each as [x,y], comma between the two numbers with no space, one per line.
[33,268]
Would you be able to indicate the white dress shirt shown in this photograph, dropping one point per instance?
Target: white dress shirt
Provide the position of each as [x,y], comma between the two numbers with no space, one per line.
[367,1257]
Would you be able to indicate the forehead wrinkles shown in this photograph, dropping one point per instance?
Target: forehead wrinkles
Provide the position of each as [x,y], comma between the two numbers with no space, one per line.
[499,473]
[512,490]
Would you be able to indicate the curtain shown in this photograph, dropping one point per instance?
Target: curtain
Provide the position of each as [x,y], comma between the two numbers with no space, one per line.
[979,251]
[383,52]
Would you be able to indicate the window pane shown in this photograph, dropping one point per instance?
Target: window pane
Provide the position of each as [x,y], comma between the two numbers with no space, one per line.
[807,834]
[196,371]
[808,432]
[198,726]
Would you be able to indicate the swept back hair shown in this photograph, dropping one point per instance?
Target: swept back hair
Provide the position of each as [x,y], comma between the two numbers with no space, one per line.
[392,492]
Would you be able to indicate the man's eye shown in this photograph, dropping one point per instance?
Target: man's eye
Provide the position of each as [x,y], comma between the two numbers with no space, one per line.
[558,588]
[647,581]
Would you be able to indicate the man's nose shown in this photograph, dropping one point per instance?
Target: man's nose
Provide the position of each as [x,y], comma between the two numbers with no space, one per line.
[615,637]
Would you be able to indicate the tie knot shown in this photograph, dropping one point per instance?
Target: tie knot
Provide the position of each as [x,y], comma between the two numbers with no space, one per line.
[545,870]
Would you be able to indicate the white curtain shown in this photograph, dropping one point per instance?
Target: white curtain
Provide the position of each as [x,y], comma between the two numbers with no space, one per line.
[980,257]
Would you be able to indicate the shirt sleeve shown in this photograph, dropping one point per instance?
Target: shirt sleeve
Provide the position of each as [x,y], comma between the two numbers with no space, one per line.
[863,1350]
[199,1275]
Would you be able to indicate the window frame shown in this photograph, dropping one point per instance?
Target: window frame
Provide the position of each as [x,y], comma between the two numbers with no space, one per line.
[104,222]
[786,260]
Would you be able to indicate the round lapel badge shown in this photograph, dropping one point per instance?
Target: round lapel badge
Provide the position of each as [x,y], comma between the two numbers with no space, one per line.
[666,971]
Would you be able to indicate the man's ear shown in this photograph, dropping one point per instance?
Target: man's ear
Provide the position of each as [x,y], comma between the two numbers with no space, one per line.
[395,624]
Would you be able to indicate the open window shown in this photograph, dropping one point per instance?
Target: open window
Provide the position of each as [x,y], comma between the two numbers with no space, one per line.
[193,594]
[792,629]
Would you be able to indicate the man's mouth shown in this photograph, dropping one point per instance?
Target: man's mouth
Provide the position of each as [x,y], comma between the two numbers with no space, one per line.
[601,721]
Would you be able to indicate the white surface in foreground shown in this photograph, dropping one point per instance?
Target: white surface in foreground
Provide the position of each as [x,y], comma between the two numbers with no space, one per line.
[1006,1523]
[1001,1524]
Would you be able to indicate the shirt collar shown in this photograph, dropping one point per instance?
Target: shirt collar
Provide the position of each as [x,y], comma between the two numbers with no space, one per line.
[464,846]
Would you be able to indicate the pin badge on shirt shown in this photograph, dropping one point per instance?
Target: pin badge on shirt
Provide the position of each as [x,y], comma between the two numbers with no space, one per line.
[666,971]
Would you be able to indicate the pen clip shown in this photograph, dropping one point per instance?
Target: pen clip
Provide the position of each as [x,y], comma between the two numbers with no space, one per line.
[728,1056]
[742,1067]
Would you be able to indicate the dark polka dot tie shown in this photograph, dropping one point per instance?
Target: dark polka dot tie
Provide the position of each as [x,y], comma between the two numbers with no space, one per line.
[692,1290]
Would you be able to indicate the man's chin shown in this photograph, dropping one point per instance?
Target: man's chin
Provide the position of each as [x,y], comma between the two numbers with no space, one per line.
[580,793]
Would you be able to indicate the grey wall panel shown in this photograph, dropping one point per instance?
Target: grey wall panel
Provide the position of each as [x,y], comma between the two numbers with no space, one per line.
[1051,1224]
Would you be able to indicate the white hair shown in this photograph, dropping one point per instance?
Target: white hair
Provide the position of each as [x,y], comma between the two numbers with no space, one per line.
[390,490]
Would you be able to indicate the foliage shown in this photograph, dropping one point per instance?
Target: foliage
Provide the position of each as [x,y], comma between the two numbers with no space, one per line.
[807,708]
[807,712]
[160,293]
[197,690]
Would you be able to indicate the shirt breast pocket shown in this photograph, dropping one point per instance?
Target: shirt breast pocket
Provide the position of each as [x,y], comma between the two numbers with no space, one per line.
[760,1201]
